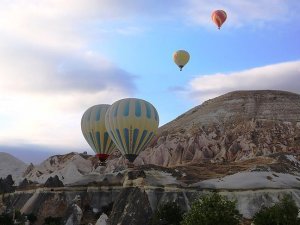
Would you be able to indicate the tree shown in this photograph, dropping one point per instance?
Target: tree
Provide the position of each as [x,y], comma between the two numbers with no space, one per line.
[285,212]
[212,209]
[169,213]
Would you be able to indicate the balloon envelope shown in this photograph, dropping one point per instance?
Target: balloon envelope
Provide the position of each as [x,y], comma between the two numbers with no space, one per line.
[219,17]
[94,131]
[181,58]
[131,124]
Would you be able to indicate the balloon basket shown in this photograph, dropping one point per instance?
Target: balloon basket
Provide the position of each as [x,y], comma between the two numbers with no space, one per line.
[102,163]
[130,165]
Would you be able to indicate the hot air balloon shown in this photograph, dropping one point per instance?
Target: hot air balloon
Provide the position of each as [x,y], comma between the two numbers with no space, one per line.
[181,58]
[219,17]
[131,124]
[95,133]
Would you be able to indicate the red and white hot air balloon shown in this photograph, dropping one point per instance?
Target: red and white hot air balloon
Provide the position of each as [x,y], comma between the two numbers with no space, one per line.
[219,17]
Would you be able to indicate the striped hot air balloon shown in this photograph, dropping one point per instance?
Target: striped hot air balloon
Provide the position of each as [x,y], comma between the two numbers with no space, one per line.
[131,124]
[219,17]
[181,58]
[95,133]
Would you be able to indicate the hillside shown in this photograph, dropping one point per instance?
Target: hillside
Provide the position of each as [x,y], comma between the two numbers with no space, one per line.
[236,126]
[11,165]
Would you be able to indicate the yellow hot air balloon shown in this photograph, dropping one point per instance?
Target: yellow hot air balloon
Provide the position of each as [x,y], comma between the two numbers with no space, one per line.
[181,58]
[131,124]
[95,133]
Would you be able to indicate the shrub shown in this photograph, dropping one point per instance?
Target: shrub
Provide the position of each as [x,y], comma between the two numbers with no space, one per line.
[53,221]
[167,214]
[6,219]
[284,212]
[212,209]
[32,218]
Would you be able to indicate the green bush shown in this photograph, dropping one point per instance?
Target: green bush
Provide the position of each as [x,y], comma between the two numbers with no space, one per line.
[32,218]
[284,212]
[167,214]
[53,221]
[6,219]
[212,209]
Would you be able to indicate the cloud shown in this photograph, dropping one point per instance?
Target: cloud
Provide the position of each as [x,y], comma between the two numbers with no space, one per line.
[48,73]
[282,76]
[242,12]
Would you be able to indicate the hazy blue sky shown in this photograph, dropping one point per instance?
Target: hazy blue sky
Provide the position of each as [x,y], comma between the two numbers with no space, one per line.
[59,57]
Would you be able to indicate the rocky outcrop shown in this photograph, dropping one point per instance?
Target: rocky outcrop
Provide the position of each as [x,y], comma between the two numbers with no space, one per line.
[53,182]
[6,185]
[133,208]
[76,212]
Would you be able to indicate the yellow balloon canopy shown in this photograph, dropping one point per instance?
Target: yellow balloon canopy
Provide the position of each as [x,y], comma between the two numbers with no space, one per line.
[94,131]
[131,124]
[181,58]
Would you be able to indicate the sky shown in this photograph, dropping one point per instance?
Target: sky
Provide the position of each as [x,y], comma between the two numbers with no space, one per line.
[60,57]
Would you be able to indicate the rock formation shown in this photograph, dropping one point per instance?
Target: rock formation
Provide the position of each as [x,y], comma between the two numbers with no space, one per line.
[133,208]
[76,212]
[235,126]
[103,220]
[6,185]
[53,182]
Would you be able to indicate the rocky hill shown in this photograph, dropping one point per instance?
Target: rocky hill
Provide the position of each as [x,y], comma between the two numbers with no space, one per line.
[11,165]
[236,126]
[69,168]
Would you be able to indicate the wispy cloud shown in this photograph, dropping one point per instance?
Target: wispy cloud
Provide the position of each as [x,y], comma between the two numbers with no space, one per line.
[242,12]
[282,76]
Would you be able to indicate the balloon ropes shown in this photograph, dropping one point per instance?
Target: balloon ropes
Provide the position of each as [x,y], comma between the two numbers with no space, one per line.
[181,58]
[219,17]
[131,123]
[95,133]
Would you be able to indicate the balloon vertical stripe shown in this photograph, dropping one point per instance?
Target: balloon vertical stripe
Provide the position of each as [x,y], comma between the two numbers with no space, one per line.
[135,136]
[138,110]
[126,135]
[126,109]
[105,140]
[98,139]
[116,112]
[142,138]
[148,111]
[98,114]
[119,140]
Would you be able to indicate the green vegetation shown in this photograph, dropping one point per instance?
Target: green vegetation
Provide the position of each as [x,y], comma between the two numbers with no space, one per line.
[167,214]
[6,219]
[284,212]
[32,218]
[53,221]
[212,209]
